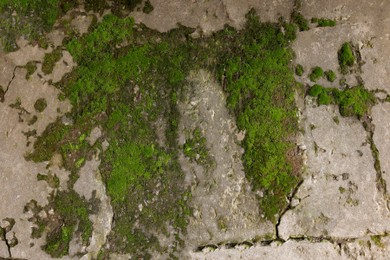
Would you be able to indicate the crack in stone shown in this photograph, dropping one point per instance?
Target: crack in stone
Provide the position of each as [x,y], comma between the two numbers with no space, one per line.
[4,92]
[287,208]
[3,236]
[10,82]
[338,241]
[380,181]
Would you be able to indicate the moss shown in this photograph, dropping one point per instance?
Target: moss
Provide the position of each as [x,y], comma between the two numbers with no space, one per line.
[40,105]
[336,120]
[355,101]
[72,217]
[300,20]
[316,74]
[377,240]
[148,7]
[330,75]
[48,142]
[346,57]
[33,19]
[196,149]
[322,22]
[299,70]
[31,67]
[52,180]
[126,89]
[33,120]
[50,61]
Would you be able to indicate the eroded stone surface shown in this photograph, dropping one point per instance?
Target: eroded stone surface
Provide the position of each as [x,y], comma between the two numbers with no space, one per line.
[380,117]
[209,15]
[224,208]
[91,187]
[18,176]
[338,197]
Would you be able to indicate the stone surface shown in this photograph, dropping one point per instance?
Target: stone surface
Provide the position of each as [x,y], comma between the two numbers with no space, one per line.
[338,197]
[209,15]
[381,120]
[224,207]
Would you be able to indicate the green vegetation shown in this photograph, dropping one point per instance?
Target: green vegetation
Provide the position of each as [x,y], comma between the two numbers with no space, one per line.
[40,104]
[346,57]
[31,67]
[330,75]
[377,239]
[72,216]
[260,87]
[148,7]
[355,101]
[125,89]
[196,149]
[300,21]
[50,61]
[322,22]
[32,20]
[316,74]
[52,180]
[299,70]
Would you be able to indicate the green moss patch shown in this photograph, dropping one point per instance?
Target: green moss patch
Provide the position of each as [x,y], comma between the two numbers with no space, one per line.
[322,22]
[316,74]
[330,75]
[355,101]
[346,57]
[31,67]
[300,21]
[40,105]
[196,149]
[148,7]
[299,70]
[50,61]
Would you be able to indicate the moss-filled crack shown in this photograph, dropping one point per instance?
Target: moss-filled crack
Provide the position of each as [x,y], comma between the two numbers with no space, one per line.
[380,181]
[338,241]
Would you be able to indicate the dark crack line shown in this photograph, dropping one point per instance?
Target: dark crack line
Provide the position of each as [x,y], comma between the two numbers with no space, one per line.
[287,208]
[10,82]
[338,241]
[4,236]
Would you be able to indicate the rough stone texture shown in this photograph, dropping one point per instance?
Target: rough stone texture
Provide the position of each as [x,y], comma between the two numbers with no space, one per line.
[289,250]
[381,120]
[210,15]
[360,249]
[18,176]
[338,197]
[224,208]
[63,66]
[91,186]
